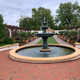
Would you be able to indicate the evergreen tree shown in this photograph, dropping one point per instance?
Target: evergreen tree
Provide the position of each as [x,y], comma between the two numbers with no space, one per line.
[2,27]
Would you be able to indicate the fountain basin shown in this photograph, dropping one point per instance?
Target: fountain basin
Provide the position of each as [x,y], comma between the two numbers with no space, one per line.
[73,56]
[44,34]
[44,27]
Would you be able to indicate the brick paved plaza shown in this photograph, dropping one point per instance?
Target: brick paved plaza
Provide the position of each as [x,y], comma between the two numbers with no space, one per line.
[14,70]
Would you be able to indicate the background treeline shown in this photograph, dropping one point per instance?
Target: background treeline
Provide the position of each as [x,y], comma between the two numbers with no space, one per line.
[68,15]
[37,19]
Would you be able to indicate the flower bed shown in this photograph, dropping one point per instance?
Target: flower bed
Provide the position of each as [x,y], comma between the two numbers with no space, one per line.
[24,37]
[70,36]
[71,41]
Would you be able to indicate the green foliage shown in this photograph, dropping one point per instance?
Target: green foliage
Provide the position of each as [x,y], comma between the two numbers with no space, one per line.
[73,41]
[34,32]
[1,42]
[18,33]
[66,32]
[78,22]
[17,38]
[73,32]
[2,28]
[19,41]
[29,33]
[68,13]
[57,34]
[71,38]
[25,22]
[8,40]
[61,32]
[22,33]
[37,18]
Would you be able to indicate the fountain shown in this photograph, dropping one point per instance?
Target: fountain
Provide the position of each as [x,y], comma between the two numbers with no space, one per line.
[45,53]
[44,35]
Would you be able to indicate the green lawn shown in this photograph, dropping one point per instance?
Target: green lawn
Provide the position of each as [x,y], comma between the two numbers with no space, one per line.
[50,40]
[5,44]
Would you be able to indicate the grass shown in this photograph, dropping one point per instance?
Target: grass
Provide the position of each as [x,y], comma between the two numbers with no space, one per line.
[50,40]
[4,45]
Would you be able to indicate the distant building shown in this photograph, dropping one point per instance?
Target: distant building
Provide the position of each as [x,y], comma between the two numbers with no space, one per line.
[49,30]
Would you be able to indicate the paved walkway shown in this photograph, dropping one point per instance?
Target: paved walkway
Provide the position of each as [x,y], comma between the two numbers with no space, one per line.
[61,41]
[34,41]
[14,70]
[56,38]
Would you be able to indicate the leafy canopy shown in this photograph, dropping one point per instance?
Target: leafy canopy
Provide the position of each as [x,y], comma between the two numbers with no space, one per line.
[37,18]
[2,27]
[68,13]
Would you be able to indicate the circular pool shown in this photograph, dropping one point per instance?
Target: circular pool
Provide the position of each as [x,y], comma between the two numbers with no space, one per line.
[58,53]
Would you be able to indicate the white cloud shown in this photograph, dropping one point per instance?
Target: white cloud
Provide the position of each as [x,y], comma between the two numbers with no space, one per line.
[12,9]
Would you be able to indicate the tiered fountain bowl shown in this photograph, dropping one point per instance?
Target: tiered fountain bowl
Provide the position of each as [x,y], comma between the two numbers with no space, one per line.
[45,53]
[44,36]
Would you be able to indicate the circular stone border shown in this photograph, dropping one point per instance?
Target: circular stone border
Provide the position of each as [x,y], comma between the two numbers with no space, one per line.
[73,56]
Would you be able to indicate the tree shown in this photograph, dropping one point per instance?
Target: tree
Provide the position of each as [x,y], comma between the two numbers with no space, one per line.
[78,22]
[2,28]
[38,17]
[68,13]
[25,22]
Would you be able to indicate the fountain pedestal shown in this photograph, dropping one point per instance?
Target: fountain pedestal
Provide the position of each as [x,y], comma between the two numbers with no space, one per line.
[45,45]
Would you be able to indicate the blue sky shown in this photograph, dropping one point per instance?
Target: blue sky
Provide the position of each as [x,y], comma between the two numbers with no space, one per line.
[12,9]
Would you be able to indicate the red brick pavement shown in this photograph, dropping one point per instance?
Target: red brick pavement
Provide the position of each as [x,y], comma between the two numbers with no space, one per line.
[14,70]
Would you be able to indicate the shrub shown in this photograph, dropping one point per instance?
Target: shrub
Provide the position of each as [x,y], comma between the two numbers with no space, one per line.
[66,32]
[1,42]
[61,32]
[73,41]
[17,38]
[18,33]
[34,32]
[57,33]
[22,34]
[71,38]
[29,33]
[19,41]
[73,32]
[8,40]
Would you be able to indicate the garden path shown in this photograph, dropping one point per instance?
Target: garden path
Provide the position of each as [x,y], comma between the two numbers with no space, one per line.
[14,70]
[61,41]
[56,38]
[34,41]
